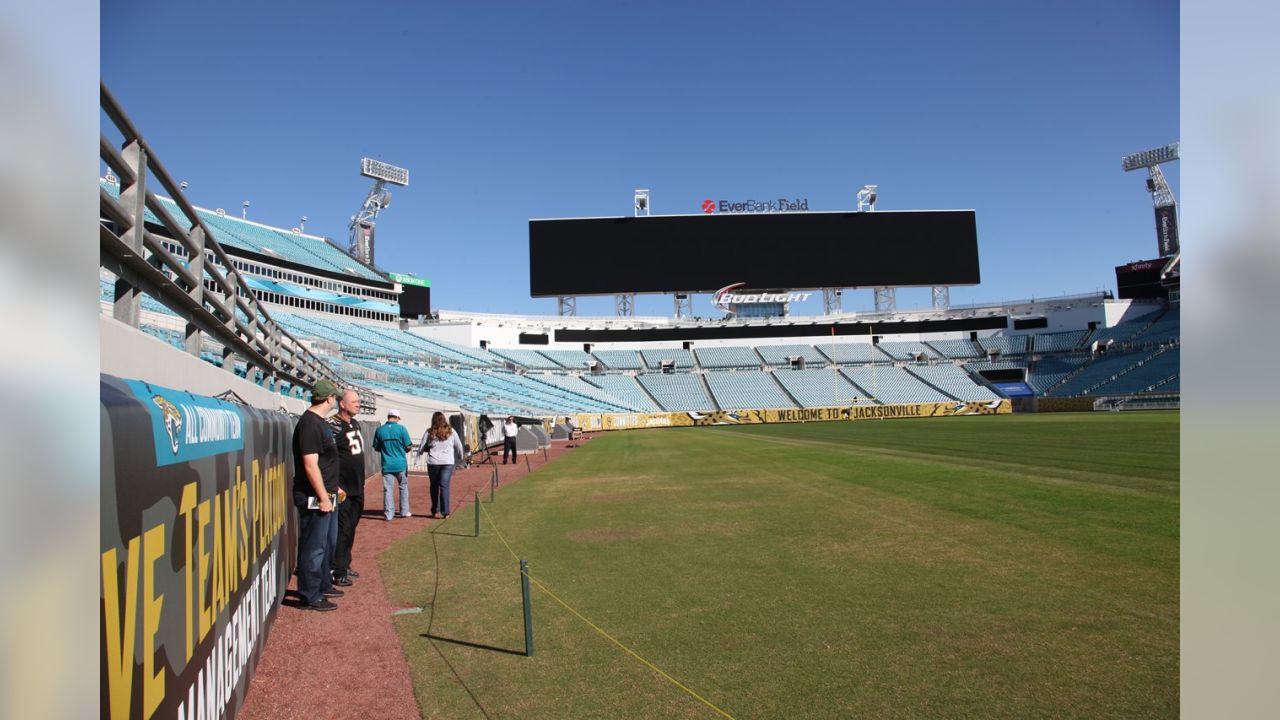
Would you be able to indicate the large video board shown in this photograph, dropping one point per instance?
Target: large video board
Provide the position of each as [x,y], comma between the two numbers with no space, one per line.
[703,253]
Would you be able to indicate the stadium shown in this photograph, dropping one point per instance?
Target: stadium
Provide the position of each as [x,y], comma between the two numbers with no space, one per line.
[1040,578]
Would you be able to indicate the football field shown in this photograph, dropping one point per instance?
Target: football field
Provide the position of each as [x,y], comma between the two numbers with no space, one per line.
[998,566]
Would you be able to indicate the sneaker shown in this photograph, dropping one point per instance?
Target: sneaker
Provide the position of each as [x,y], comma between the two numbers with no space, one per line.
[408,514]
[320,605]
[352,573]
[341,580]
[333,593]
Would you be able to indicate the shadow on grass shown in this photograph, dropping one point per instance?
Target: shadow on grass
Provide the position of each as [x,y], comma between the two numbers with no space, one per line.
[478,646]
[452,534]
[435,592]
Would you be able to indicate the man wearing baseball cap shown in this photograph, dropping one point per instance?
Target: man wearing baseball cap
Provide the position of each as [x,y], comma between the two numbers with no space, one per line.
[315,490]
[393,442]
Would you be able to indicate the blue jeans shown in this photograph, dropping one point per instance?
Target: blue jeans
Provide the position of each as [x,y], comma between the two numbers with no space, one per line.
[440,476]
[389,481]
[317,537]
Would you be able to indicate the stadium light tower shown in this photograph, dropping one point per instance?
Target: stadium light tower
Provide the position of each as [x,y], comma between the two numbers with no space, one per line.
[378,199]
[642,203]
[244,210]
[1161,196]
[886,298]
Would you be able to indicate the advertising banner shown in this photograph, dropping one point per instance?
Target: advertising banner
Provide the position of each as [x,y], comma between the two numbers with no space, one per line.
[634,421]
[198,540]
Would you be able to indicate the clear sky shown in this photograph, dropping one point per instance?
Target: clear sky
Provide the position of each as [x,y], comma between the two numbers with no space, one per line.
[502,112]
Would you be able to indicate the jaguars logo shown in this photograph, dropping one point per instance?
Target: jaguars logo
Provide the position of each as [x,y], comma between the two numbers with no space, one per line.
[722,417]
[172,421]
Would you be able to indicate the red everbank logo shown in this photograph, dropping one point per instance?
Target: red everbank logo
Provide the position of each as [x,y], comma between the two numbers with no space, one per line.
[756,206]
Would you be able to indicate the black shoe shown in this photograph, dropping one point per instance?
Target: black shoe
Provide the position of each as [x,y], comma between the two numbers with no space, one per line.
[352,573]
[341,580]
[333,593]
[320,605]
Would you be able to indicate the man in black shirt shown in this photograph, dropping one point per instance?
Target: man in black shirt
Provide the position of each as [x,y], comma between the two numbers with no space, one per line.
[350,480]
[315,488]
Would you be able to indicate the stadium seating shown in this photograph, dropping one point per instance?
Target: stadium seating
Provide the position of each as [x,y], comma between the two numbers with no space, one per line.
[569,359]
[890,385]
[853,353]
[1048,372]
[1058,342]
[682,359]
[619,359]
[746,389]
[778,354]
[908,350]
[1166,329]
[953,381]
[728,357]
[625,389]
[1100,370]
[577,385]
[527,358]
[678,391]
[955,349]
[1007,344]
[819,387]
[1144,376]
[235,232]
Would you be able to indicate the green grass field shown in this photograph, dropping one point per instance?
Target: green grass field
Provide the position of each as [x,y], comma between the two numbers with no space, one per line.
[1000,566]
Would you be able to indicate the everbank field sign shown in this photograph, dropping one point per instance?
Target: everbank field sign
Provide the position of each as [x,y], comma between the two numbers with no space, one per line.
[756,206]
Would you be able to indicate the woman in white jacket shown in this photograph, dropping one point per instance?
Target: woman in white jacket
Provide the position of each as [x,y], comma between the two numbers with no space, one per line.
[444,450]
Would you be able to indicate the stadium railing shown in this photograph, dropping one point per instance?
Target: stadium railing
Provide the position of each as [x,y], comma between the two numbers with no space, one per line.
[212,301]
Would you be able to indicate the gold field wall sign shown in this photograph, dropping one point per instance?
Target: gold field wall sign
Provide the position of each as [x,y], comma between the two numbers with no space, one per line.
[637,421]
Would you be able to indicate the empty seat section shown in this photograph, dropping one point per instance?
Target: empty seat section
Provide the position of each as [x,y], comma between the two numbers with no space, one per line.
[1165,330]
[957,349]
[576,385]
[571,359]
[1144,376]
[853,353]
[1101,369]
[678,391]
[619,359]
[1059,342]
[904,350]
[527,358]
[1006,344]
[1047,372]
[953,381]
[625,389]
[779,354]
[681,357]
[747,390]
[892,385]
[727,357]
[819,387]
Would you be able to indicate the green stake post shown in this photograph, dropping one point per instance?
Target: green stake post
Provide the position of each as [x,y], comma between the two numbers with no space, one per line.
[528,608]
[477,513]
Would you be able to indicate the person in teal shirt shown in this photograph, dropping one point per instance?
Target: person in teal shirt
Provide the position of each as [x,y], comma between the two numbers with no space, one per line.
[392,441]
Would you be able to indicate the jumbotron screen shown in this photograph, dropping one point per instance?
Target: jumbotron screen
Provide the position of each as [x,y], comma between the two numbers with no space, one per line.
[793,251]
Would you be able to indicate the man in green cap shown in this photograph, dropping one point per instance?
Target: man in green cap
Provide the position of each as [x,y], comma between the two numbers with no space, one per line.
[315,491]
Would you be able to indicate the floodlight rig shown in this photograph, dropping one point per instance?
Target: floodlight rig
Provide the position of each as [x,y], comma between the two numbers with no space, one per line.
[886,298]
[642,202]
[1166,206]
[378,199]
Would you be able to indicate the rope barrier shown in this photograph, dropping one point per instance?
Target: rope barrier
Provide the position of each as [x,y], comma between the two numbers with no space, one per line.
[597,628]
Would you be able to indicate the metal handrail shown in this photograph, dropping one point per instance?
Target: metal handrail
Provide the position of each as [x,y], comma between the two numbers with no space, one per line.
[230,313]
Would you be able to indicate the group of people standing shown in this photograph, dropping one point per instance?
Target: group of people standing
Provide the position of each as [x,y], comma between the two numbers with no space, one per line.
[328,484]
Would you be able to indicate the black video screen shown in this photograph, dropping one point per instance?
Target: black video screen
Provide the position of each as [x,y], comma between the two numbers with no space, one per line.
[703,253]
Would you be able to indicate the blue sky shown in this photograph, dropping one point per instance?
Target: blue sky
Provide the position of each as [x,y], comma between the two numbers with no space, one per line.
[504,112]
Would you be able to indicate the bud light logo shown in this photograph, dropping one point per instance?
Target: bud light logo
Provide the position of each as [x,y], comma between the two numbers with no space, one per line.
[756,206]
[725,297]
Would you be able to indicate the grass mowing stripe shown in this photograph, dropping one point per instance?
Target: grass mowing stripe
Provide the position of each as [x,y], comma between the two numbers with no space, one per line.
[802,581]
[597,628]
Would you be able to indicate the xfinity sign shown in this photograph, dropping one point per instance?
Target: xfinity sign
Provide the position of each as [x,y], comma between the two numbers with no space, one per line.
[756,206]
[725,297]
